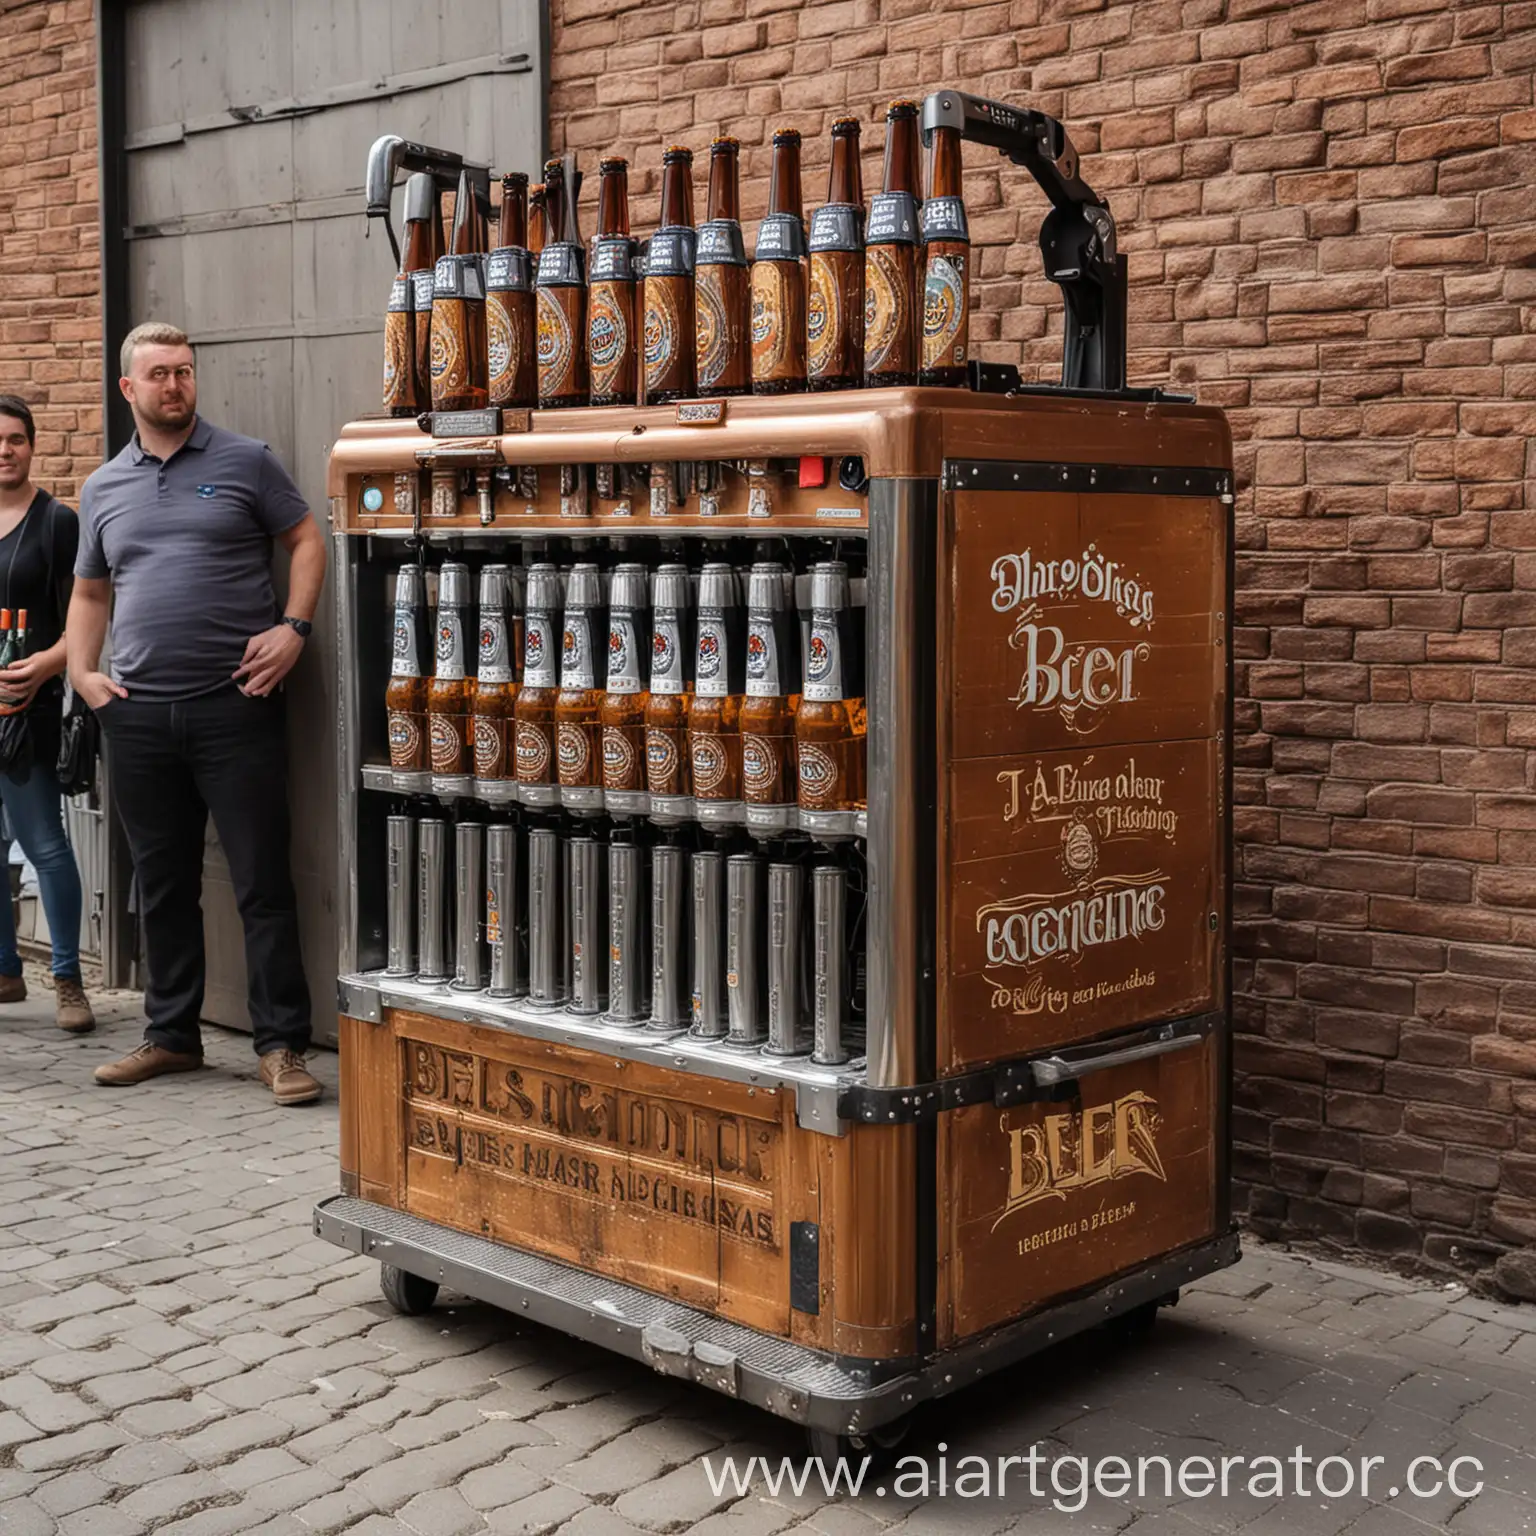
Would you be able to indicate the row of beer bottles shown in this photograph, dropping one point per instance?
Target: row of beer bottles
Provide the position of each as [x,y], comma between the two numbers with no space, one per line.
[653,932]
[636,681]
[867,299]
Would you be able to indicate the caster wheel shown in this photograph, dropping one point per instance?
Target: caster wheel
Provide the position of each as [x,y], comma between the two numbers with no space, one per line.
[829,1447]
[406,1293]
[1139,1321]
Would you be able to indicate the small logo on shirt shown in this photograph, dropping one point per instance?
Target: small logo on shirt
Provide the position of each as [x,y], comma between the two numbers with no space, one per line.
[207,492]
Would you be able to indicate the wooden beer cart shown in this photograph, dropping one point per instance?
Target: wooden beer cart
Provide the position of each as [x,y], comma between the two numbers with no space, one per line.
[1030,1135]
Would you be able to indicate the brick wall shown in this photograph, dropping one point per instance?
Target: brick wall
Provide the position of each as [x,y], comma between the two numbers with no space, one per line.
[50,314]
[1332,231]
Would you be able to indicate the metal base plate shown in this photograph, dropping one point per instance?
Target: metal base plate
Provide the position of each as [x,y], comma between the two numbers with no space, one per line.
[820,1390]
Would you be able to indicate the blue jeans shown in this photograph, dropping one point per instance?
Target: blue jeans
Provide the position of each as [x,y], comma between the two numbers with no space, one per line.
[35,811]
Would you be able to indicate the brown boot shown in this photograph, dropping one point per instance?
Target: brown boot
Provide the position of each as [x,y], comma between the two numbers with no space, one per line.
[13,989]
[147,1062]
[283,1072]
[71,1007]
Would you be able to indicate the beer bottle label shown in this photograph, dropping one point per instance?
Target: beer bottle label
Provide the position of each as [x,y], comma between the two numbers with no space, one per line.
[945,310]
[623,655]
[819,777]
[711,758]
[534,752]
[447,733]
[671,253]
[450,644]
[712,325]
[665,763]
[405,741]
[556,346]
[490,748]
[664,338]
[422,283]
[888,317]
[401,296]
[613,259]
[561,266]
[832,328]
[944,219]
[406,662]
[720,243]
[711,665]
[574,754]
[507,344]
[764,760]
[608,339]
[762,659]
[892,219]
[495,654]
[450,359]
[577,663]
[458,277]
[509,269]
[780,237]
[399,359]
[667,670]
[539,664]
[824,659]
[622,764]
[835,227]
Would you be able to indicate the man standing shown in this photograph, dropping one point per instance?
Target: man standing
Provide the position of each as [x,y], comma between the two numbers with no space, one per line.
[178,528]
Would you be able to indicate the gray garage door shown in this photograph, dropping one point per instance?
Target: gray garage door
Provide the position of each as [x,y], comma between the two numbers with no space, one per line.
[248,124]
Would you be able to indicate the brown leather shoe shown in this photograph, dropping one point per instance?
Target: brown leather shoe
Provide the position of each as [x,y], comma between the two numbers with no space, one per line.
[13,989]
[284,1073]
[71,1007]
[146,1062]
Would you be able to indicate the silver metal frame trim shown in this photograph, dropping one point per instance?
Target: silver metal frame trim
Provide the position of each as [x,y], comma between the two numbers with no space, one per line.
[345,554]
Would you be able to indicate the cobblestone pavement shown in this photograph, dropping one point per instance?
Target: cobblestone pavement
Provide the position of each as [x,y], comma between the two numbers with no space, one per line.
[178,1354]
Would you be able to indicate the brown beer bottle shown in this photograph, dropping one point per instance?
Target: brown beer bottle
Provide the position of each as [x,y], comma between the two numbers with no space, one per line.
[625,701]
[892,318]
[495,681]
[534,708]
[669,322]
[778,277]
[768,775]
[405,699]
[832,722]
[401,397]
[423,280]
[562,296]
[460,376]
[613,350]
[834,323]
[719,671]
[509,319]
[578,727]
[947,260]
[668,769]
[722,281]
[537,223]
[451,691]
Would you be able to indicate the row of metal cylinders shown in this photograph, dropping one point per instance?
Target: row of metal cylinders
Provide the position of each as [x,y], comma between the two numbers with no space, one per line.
[657,937]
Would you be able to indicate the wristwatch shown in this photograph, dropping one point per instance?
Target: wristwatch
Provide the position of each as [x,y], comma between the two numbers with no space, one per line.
[300,627]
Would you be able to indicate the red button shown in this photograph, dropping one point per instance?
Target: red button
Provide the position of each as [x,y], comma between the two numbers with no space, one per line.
[813,473]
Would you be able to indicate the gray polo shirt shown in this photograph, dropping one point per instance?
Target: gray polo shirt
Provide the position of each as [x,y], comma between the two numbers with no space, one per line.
[187,543]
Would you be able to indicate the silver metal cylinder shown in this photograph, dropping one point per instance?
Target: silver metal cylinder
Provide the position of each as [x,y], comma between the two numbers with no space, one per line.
[501,912]
[630,587]
[400,897]
[829,986]
[669,988]
[744,949]
[410,587]
[546,593]
[453,585]
[584,587]
[671,586]
[789,1019]
[419,202]
[468,906]
[829,585]
[717,585]
[546,950]
[709,1008]
[432,901]
[589,923]
[629,972]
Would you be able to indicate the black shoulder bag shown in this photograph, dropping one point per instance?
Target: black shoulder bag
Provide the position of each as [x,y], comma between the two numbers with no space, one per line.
[79,734]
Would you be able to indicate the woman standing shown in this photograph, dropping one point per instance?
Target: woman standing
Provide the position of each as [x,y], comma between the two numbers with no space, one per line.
[38,537]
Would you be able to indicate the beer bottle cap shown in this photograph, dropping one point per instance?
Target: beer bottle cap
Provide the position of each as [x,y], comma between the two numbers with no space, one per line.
[677,152]
[725,141]
[493,586]
[786,135]
[545,594]
[717,585]
[845,125]
[584,589]
[536,192]
[670,586]
[453,585]
[829,585]
[765,587]
[901,109]
[630,588]
[409,589]
[613,163]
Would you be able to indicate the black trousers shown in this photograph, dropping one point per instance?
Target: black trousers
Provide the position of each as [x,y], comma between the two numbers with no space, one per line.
[171,764]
